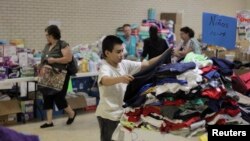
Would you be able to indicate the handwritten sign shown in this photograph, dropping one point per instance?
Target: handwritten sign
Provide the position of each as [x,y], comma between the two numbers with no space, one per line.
[219,30]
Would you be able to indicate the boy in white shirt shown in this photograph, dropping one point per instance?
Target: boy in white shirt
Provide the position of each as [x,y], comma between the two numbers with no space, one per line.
[114,76]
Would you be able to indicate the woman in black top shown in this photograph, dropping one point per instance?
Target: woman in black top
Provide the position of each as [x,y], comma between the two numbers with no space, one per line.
[57,54]
[154,45]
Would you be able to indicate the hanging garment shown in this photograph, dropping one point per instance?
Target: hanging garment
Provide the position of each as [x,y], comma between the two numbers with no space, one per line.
[144,77]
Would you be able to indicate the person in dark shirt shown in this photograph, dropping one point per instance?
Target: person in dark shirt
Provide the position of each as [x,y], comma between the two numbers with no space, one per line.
[154,45]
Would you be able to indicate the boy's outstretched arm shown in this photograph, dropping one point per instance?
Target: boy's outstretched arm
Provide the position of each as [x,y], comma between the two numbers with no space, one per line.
[108,81]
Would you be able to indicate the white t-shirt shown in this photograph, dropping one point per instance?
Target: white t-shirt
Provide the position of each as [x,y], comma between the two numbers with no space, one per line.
[111,97]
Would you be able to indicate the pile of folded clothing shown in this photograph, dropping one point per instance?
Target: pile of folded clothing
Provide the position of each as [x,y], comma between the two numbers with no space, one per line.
[182,98]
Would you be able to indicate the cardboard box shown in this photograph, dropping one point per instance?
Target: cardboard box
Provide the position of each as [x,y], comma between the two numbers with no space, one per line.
[91,103]
[8,119]
[243,43]
[221,54]
[77,102]
[9,107]
[242,55]
[209,54]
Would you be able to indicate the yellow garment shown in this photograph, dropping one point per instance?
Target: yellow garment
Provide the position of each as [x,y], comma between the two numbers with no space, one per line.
[128,124]
[203,137]
[149,90]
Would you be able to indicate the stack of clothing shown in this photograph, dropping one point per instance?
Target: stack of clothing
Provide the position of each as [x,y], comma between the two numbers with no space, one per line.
[182,98]
[3,73]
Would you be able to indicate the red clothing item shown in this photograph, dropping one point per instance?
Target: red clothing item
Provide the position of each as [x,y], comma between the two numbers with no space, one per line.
[221,122]
[210,118]
[214,93]
[151,109]
[177,102]
[169,126]
[231,102]
[246,79]
[232,112]
[241,83]
[208,69]
[135,112]
[133,118]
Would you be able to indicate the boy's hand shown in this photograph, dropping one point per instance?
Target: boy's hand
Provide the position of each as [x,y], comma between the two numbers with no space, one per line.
[126,79]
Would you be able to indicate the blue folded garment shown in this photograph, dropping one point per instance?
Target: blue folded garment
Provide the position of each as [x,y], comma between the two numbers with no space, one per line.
[177,68]
[212,74]
[225,66]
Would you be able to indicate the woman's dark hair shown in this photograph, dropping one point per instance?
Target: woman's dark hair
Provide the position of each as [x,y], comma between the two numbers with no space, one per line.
[54,31]
[188,31]
[126,25]
[153,33]
[109,42]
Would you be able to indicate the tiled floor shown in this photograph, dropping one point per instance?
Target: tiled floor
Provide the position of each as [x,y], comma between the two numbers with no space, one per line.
[85,127]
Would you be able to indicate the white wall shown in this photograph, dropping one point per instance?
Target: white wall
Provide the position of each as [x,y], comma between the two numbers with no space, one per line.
[248,4]
[83,21]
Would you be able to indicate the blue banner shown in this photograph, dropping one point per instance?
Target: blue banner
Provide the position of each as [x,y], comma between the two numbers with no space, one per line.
[219,30]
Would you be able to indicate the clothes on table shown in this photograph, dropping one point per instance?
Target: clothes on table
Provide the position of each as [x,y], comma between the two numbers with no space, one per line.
[199,59]
[182,100]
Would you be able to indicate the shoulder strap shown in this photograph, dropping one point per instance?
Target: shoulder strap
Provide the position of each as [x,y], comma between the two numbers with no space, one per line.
[60,44]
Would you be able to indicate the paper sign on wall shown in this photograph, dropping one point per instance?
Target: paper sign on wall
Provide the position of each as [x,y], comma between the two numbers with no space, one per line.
[219,30]
[243,18]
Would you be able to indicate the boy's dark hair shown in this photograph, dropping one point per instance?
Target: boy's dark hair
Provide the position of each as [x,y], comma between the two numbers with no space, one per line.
[109,42]
[54,31]
[126,25]
[188,31]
